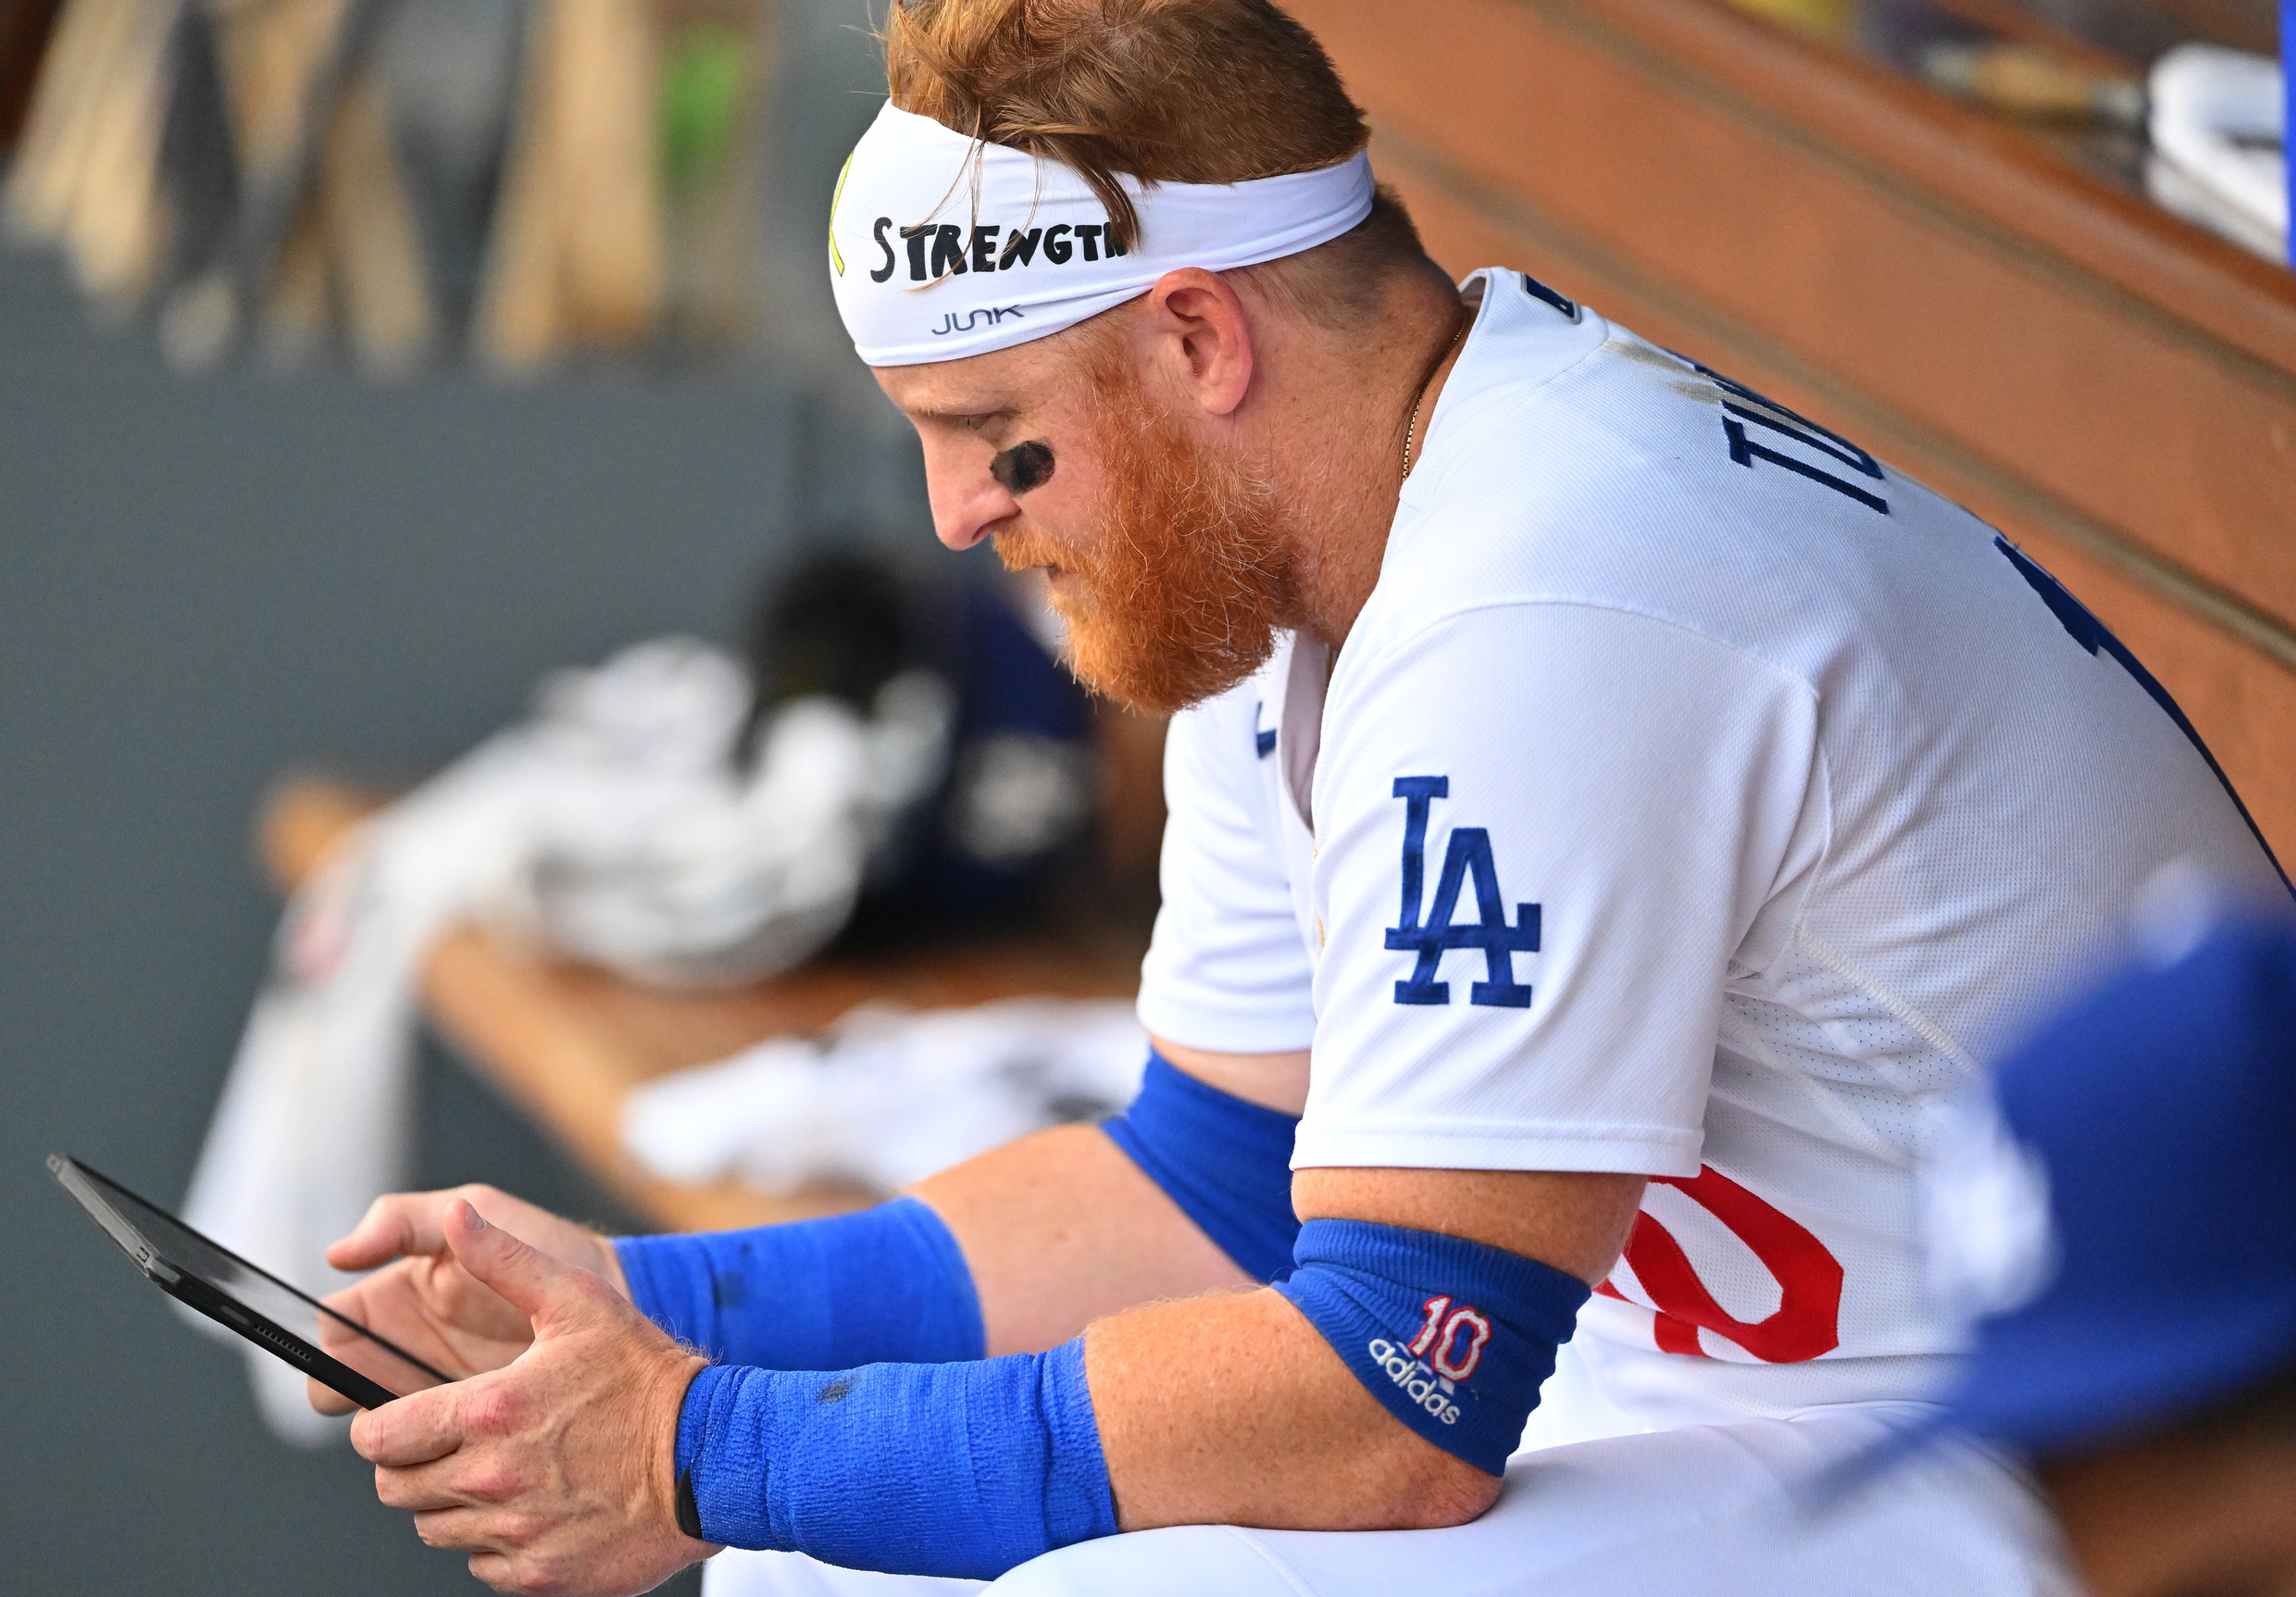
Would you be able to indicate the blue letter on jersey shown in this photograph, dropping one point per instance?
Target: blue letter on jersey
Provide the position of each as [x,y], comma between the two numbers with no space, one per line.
[1745,451]
[1469,852]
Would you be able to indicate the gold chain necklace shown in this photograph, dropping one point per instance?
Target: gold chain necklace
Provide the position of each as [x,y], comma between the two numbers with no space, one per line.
[1411,431]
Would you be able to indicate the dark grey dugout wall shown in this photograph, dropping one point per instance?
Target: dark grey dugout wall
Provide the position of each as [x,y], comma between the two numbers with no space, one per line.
[204,582]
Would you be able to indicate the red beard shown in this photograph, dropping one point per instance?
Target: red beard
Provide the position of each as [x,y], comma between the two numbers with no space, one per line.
[1178,597]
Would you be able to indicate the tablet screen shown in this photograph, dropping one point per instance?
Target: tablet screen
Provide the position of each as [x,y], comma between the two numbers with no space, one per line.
[242,1283]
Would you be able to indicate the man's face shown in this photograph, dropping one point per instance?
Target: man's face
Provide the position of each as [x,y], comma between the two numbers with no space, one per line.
[2181,1516]
[1164,553]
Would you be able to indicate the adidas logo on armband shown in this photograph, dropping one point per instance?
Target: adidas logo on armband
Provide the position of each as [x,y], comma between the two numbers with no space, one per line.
[1418,1381]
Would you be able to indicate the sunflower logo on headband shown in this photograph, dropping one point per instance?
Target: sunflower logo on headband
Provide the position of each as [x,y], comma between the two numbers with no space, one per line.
[837,256]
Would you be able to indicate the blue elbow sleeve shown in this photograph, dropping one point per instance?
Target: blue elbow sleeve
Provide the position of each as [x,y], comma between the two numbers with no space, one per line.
[1227,1164]
[956,1469]
[888,1285]
[1454,1338]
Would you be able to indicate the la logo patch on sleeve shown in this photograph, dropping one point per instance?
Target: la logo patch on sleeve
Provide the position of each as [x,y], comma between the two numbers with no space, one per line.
[1467,857]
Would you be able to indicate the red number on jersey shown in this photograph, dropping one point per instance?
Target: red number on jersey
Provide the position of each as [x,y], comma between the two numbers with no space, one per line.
[1807,1321]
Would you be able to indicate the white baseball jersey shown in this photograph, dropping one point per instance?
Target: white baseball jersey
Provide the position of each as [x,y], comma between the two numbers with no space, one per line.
[1695,796]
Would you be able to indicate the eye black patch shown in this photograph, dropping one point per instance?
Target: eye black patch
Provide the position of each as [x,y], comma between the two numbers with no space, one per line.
[1023,466]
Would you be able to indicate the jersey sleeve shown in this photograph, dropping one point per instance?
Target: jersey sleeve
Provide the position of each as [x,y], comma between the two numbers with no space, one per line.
[1228,970]
[1544,833]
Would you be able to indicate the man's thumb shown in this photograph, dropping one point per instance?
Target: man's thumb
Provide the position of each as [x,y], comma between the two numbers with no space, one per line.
[533,1282]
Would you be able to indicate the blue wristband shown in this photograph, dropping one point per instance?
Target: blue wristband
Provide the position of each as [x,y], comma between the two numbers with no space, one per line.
[1454,1338]
[888,1285]
[953,1469]
[1227,1164]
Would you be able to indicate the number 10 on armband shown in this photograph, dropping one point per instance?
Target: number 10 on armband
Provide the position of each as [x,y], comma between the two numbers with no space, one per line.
[1451,1338]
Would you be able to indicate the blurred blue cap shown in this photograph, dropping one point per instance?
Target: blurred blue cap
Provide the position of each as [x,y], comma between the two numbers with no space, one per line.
[2161,1111]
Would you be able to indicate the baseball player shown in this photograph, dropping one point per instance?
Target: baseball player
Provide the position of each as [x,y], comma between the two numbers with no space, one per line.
[1607,809]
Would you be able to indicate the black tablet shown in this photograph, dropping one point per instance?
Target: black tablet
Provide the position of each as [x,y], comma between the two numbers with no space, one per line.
[235,1294]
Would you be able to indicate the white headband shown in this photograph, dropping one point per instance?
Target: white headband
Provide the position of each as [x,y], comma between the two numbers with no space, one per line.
[942,246]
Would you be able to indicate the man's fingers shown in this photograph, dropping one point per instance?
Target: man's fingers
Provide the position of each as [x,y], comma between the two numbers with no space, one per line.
[326,1400]
[424,1488]
[497,1569]
[412,1430]
[536,1284]
[479,1478]
[457,1529]
[398,1224]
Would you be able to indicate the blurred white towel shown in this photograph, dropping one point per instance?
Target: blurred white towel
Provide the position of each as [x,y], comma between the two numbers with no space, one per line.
[614,826]
[889,1096]
[2219,122]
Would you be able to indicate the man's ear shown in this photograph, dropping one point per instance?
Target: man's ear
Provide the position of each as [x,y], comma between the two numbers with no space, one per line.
[1199,330]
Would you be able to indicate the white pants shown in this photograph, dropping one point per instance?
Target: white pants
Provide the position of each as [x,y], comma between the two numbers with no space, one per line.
[1703,1511]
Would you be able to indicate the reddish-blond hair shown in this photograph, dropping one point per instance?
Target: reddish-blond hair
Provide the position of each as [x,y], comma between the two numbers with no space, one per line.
[1167,91]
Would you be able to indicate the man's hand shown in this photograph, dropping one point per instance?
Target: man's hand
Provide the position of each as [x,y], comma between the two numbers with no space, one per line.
[556,1473]
[427,1302]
